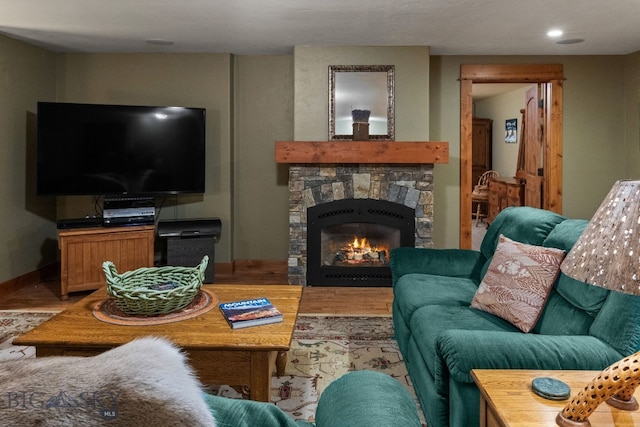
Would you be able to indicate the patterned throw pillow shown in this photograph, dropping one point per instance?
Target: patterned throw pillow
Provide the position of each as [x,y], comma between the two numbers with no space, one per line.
[518,282]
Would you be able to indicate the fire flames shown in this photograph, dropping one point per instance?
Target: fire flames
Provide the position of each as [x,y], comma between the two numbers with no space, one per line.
[361,251]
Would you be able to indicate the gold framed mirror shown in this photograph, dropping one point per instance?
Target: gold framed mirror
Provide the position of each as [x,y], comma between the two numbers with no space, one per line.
[361,87]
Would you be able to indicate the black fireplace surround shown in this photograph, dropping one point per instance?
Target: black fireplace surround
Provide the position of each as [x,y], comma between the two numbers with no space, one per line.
[380,219]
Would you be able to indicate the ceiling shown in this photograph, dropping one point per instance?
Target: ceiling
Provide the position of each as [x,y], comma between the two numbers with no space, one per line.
[265,27]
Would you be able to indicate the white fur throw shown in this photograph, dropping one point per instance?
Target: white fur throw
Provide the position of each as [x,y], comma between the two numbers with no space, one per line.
[146,382]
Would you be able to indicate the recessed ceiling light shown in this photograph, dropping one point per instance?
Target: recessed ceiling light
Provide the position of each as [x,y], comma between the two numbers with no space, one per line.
[570,41]
[160,42]
[554,33]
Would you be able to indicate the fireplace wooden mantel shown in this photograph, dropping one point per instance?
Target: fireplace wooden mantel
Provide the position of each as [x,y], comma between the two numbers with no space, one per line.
[400,152]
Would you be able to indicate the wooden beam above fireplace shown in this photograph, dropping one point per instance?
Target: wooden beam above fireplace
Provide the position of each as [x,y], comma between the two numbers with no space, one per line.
[405,152]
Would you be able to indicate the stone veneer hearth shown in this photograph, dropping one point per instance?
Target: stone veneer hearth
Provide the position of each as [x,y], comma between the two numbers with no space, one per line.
[324,171]
[314,184]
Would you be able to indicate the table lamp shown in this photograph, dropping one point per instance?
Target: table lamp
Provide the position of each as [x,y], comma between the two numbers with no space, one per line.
[607,254]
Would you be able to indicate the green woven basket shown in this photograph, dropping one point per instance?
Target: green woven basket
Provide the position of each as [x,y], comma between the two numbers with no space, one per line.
[149,291]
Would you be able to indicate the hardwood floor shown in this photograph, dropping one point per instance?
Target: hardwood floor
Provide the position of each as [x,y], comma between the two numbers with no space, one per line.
[45,296]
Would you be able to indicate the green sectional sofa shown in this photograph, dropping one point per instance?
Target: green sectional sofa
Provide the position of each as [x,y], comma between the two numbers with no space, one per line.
[442,338]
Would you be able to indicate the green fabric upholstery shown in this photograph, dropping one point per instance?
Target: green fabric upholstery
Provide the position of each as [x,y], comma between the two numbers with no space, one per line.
[461,413]
[462,351]
[443,262]
[564,233]
[417,290]
[560,317]
[442,338]
[247,413]
[359,398]
[365,399]
[445,318]
[586,297]
[522,224]
[430,396]
[581,300]
[618,323]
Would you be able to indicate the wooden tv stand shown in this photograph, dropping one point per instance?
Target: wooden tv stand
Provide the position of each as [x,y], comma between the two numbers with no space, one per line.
[83,250]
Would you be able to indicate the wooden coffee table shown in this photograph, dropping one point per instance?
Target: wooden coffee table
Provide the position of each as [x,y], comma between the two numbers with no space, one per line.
[220,355]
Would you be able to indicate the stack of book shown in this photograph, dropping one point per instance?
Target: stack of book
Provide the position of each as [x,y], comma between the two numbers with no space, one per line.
[250,312]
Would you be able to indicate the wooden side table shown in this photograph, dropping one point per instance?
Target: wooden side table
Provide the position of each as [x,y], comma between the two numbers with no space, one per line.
[83,250]
[506,399]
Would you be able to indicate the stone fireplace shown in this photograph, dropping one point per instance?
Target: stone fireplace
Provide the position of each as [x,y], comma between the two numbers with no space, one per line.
[381,192]
[349,241]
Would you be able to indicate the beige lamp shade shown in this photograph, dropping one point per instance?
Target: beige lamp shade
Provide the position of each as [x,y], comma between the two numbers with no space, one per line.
[607,254]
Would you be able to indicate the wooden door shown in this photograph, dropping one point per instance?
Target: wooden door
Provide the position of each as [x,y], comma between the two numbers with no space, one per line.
[533,144]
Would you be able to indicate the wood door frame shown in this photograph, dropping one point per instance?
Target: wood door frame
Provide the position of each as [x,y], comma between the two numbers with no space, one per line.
[552,74]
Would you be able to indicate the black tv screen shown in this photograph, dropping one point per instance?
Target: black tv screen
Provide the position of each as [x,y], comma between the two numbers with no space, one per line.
[93,149]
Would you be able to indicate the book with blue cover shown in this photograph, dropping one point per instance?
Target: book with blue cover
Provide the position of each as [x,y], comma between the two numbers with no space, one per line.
[250,312]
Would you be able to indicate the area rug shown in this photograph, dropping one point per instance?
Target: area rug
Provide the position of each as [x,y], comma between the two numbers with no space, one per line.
[12,325]
[323,349]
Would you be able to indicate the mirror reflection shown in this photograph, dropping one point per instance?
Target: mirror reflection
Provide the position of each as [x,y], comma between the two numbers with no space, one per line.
[361,87]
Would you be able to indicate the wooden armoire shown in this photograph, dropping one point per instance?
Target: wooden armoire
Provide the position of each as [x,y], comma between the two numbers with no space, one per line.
[481,152]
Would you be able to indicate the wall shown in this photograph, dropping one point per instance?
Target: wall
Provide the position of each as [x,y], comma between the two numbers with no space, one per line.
[257,97]
[191,80]
[632,115]
[426,108]
[601,131]
[26,221]
[263,99]
[593,132]
[311,88]
[500,108]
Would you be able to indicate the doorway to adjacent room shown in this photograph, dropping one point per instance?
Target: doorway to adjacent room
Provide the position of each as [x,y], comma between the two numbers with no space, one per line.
[552,75]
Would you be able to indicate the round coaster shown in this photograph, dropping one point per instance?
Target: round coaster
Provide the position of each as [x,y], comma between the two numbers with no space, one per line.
[108,311]
[550,388]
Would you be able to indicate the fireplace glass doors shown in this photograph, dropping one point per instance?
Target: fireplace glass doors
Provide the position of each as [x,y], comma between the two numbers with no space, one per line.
[349,241]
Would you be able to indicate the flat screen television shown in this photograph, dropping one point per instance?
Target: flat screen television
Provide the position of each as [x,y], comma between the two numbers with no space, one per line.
[108,150]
